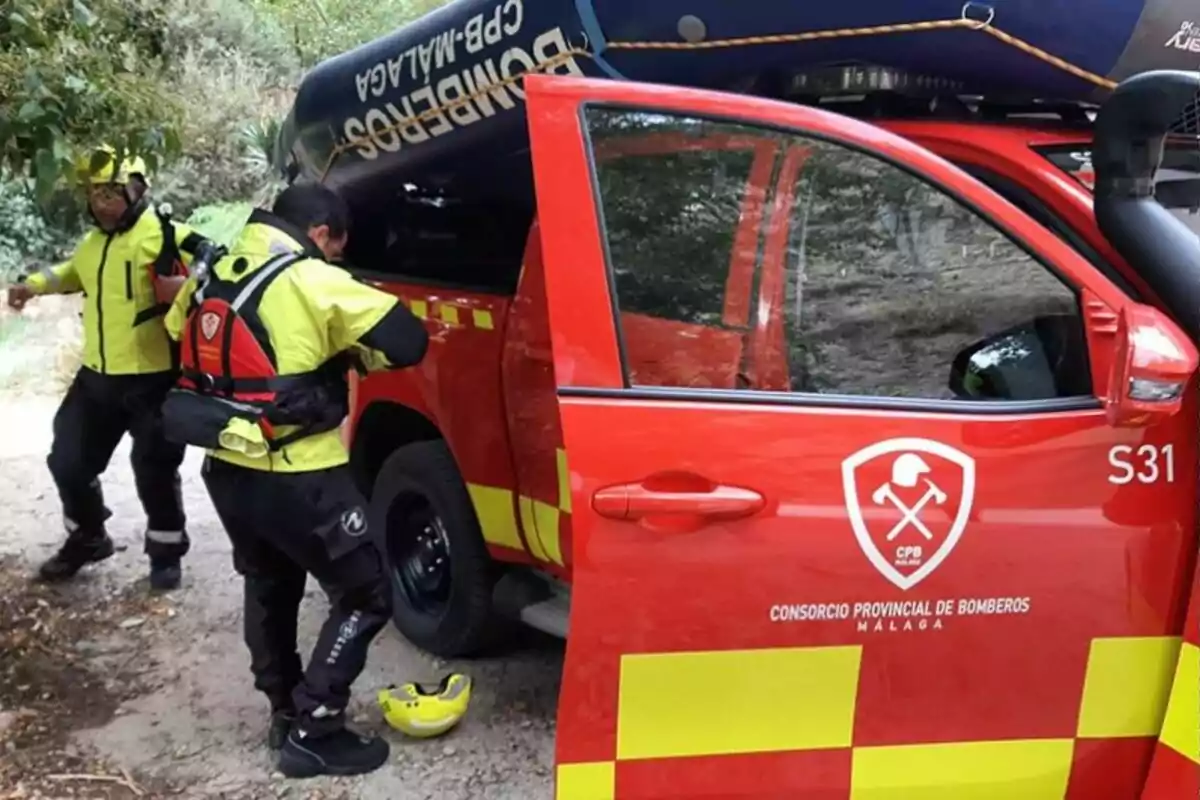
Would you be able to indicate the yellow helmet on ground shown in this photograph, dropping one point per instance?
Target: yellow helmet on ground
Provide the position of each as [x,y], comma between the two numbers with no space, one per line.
[99,166]
[424,713]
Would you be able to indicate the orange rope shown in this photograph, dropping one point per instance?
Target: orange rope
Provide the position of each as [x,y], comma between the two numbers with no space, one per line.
[747,41]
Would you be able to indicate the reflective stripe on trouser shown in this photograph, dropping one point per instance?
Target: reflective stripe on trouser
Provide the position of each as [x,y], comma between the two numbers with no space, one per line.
[166,544]
[282,526]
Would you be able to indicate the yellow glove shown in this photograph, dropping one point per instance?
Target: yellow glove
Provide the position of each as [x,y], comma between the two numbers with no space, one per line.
[245,437]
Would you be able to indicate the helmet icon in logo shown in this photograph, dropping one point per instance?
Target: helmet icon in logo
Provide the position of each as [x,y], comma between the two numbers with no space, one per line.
[907,468]
[899,502]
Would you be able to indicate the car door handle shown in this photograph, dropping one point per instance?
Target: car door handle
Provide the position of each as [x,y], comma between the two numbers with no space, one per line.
[632,501]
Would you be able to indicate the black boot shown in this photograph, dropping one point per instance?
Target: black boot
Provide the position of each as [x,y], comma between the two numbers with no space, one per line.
[165,574]
[342,752]
[76,552]
[281,725]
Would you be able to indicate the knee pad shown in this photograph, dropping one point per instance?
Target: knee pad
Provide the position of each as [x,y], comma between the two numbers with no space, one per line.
[373,598]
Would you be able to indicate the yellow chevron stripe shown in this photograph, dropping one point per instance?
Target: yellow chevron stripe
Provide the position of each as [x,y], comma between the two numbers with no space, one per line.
[529,525]
[564,481]
[1126,686]
[1181,726]
[497,519]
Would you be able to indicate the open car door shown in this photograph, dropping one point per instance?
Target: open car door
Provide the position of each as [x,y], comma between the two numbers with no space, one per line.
[944,552]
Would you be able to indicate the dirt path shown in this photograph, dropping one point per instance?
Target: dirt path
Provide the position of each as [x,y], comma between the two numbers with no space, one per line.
[107,691]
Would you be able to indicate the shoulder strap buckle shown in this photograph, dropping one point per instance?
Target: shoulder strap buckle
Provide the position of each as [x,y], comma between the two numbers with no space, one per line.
[207,254]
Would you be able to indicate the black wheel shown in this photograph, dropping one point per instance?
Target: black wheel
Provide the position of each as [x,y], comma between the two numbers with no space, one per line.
[441,574]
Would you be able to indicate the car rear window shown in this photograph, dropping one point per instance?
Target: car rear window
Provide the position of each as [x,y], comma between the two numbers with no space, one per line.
[1178,182]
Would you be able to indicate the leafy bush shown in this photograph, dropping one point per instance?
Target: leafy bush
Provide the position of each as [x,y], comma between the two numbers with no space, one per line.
[26,237]
[213,30]
[324,28]
[220,135]
[74,72]
[198,87]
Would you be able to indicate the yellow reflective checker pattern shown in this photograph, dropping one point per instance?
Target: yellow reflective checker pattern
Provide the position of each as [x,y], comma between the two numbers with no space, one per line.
[811,706]
[1181,727]
[503,517]
[453,314]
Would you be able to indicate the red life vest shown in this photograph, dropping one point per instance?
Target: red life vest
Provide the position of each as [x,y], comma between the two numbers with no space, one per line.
[229,369]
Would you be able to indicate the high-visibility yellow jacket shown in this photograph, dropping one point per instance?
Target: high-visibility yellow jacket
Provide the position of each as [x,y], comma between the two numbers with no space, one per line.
[310,312]
[123,331]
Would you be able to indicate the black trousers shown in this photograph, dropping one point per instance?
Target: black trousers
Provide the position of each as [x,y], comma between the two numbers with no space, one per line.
[284,526]
[95,413]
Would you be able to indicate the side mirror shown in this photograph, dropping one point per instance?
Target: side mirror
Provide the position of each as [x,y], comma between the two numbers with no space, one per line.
[1039,360]
[1152,365]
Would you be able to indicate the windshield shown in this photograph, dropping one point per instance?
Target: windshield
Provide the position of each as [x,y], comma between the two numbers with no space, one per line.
[1177,186]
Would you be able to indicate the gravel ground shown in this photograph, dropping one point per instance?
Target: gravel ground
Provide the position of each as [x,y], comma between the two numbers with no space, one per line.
[107,691]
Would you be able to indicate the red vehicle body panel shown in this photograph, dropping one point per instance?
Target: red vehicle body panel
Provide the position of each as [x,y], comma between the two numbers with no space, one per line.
[1069,681]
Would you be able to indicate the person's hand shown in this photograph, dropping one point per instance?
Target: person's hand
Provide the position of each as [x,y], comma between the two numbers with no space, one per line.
[18,295]
[166,287]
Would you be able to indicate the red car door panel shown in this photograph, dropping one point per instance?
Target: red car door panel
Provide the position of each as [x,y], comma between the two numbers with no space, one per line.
[860,584]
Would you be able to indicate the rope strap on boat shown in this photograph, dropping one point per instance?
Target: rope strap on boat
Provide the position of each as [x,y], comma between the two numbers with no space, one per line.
[964,22]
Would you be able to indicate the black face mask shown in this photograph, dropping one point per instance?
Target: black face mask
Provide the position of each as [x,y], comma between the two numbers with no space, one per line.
[134,209]
[131,215]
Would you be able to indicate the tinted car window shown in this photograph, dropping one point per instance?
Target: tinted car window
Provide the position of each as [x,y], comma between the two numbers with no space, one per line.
[869,280]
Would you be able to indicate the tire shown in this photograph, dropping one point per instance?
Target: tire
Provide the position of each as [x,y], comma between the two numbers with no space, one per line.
[419,496]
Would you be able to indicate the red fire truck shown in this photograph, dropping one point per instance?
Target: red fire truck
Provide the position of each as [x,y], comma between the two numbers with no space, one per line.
[857,447]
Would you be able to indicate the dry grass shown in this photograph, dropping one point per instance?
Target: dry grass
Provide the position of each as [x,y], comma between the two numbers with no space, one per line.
[68,659]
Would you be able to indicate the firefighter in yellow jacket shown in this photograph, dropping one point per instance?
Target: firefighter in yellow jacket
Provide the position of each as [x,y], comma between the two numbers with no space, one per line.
[126,266]
[267,333]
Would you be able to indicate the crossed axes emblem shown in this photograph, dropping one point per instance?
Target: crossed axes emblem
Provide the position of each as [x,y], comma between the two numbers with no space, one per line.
[906,471]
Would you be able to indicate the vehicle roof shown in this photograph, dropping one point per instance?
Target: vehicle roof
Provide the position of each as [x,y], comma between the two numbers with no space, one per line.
[1031,133]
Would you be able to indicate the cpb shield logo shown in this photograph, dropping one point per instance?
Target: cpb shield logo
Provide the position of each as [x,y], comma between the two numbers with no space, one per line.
[210,321]
[908,501]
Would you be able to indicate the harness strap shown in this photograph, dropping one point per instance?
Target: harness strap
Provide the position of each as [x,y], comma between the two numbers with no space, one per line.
[164,263]
[301,433]
[277,383]
[244,304]
[266,272]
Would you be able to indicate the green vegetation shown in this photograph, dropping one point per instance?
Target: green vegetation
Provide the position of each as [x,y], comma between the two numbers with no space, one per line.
[322,28]
[196,87]
[68,68]
[220,221]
